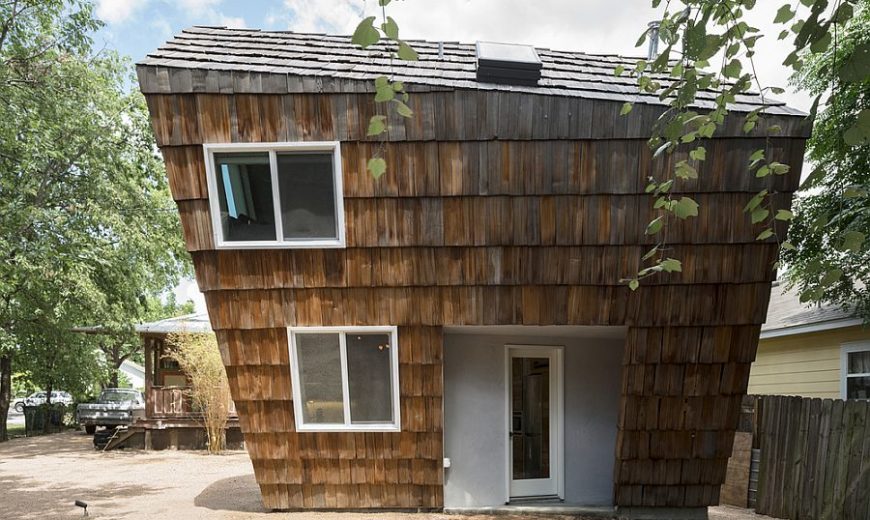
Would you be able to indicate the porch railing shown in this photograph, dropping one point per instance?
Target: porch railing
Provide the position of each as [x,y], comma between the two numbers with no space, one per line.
[173,402]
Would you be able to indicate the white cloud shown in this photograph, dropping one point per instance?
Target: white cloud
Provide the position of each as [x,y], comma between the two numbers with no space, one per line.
[233,22]
[118,11]
[339,17]
[197,6]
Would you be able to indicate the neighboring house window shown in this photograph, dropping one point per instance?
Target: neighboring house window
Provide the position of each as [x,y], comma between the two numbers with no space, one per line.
[345,378]
[855,369]
[280,195]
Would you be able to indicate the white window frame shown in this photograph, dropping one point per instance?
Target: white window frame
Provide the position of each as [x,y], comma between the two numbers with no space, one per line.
[845,350]
[273,149]
[296,385]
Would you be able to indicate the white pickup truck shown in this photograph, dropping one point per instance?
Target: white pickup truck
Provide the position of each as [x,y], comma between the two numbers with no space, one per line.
[114,407]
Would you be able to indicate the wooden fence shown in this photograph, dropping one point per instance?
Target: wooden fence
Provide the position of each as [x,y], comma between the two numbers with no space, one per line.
[815,458]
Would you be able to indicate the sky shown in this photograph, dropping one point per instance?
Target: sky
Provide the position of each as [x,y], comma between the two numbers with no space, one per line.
[137,27]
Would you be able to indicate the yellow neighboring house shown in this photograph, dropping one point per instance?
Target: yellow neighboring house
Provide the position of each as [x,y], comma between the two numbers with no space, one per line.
[811,351]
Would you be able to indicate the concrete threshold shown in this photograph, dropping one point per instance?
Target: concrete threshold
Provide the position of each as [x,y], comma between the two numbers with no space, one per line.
[537,508]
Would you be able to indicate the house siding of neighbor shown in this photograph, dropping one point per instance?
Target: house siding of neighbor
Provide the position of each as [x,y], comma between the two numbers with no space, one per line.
[476,284]
[803,348]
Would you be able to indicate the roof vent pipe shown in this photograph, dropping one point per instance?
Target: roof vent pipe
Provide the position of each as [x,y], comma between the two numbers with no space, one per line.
[653,31]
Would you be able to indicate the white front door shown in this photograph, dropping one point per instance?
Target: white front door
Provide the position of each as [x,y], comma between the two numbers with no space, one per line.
[534,405]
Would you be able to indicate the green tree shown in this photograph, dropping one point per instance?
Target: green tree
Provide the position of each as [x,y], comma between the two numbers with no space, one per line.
[829,261]
[117,339]
[88,231]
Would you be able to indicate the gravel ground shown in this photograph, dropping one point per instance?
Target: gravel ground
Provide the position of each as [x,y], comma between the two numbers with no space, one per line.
[41,477]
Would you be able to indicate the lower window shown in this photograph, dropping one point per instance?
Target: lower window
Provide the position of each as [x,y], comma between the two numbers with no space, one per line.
[345,378]
[856,371]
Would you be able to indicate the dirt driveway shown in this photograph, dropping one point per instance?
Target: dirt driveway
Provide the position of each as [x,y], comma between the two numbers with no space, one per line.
[41,477]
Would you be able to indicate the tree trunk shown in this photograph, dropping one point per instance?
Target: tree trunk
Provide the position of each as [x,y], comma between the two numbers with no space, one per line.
[5,391]
[113,378]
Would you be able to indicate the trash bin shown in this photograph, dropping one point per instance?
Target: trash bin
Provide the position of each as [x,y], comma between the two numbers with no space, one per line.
[44,418]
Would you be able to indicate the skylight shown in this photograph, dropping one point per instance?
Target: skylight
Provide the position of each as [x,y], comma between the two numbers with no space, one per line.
[508,64]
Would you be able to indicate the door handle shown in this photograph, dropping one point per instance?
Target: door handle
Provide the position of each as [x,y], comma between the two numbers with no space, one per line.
[515,434]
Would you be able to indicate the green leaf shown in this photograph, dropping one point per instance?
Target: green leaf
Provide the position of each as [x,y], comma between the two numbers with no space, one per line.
[854,192]
[385,93]
[831,276]
[685,208]
[391,28]
[784,14]
[777,90]
[814,177]
[633,284]
[698,154]
[859,133]
[402,109]
[788,246]
[398,86]
[852,241]
[748,126]
[759,214]
[784,214]
[764,235]
[377,125]
[684,170]
[406,52]
[618,70]
[649,254]
[779,168]
[733,69]
[382,82]
[377,166]
[365,33]
[626,108]
[757,155]
[655,226]
[671,265]
[755,201]
[764,171]
[856,64]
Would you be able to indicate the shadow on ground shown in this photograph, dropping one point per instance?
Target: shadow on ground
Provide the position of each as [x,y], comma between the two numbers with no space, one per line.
[239,493]
[26,499]
[70,441]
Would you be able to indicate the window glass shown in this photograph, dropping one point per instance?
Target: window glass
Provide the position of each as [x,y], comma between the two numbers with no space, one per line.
[244,185]
[320,380]
[858,387]
[369,378]
[307,195]
[859,362]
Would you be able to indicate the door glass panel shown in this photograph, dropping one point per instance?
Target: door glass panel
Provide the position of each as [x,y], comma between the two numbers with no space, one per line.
[530,417]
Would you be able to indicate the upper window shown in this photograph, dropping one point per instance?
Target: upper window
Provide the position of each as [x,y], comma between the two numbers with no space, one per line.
[276,195]
[345,378]
[856,371]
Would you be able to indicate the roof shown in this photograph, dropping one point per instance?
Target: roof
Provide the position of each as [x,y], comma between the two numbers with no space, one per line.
[786,315]
[446,65]
[197,322]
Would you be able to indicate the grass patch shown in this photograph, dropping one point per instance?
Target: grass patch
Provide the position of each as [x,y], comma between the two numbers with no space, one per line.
[16,430]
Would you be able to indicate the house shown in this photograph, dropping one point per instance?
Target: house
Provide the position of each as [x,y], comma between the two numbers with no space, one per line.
[134,372]
[811,350]
[455,334]
[170,421]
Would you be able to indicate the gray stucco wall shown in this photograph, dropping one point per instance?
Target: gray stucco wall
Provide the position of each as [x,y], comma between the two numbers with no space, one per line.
[474,411]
